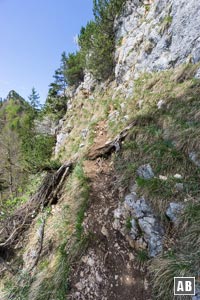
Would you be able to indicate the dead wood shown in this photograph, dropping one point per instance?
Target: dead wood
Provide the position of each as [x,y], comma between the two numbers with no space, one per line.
[14,226]
[113,146]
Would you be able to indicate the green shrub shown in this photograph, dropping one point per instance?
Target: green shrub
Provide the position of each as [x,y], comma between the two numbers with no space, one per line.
[128,223]
[142,257]
[37,151]
[73,70]
[97,39]
[95,58]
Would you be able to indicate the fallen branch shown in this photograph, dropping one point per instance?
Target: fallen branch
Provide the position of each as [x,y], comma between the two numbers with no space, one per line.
[113,146]
[13,227]
[55,192]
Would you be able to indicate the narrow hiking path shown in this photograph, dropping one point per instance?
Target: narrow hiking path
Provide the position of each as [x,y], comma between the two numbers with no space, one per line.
[108,270]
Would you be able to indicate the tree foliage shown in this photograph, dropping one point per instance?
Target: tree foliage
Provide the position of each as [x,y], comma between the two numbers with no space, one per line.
[74,69]
[22,149]
[37,151]
[105,11]
[34,100]
[60,82]
[96,50]
[56,102]
[97,39]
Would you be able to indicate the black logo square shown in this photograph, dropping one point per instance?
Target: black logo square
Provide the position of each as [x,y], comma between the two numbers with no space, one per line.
[184,286]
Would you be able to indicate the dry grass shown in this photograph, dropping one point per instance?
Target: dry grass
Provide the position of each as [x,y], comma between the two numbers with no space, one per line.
[164,137]
[164,270]
[183,259]
[63,242]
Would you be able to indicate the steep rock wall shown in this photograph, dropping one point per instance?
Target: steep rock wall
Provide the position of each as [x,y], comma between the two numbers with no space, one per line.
[154,36]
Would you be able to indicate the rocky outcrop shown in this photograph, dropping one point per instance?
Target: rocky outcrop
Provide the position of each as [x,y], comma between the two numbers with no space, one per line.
[46,126]
[173,212]
[88,84]
[154,37]
[145,228]
[145,172]
[63,130]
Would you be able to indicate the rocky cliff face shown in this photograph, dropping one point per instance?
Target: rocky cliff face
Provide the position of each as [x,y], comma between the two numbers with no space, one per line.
[151,35]
[155,36]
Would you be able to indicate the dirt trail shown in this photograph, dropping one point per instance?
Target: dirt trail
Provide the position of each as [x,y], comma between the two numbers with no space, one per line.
[101,135]
[108,270]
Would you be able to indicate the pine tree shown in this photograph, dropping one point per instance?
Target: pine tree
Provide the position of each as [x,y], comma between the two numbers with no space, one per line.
[34,99]
[74,70]
[97,40]
[60,82]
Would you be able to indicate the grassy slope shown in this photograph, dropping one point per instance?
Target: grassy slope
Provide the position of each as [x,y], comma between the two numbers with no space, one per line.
[163,137]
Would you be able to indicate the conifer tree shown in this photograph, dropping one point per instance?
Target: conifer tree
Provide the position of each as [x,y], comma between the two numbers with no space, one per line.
[34,99]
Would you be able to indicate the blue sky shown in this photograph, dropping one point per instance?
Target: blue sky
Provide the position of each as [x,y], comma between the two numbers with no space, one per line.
[33,34]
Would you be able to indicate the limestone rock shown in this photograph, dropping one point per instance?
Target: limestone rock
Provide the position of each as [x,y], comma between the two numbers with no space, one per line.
[90,262]
[45,126]
[113,115]
[161,177]
[134,232]
[178,176]
[79,286]
[116,225]
[165,36]
[142,220]
[140,208]
[173,211]
[60,141]
[152,234]
[117,213]
[104,231]
[89,82]
[161,104]
[197,75]
[98,277]
[145,171]
[84,133]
